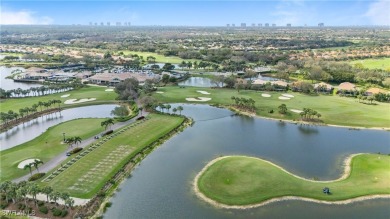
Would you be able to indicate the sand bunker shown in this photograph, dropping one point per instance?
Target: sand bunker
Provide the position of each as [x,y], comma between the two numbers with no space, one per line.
[25,162]
[288,95]
[266,95]
[73,101]
[284,98]
[203,92]
[109,89]
[159,92]
[66,95]
[296,111]
[199,99]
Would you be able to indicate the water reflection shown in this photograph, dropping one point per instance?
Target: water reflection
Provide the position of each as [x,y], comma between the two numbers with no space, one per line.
[29,130]
[9,84]
[174,165]
[198,82]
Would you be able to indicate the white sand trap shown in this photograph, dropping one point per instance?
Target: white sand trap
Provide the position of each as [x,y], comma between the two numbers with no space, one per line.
[296,111]
[25,162]
[198,99]
[284,98]
[109,90]
[73,101]
[266,95]
[203,92]
[288,95]
[66,95]
[159,92]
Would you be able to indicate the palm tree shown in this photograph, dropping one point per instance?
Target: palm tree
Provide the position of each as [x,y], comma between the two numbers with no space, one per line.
[174,110]
[69,202]
[64,196]
[55,196]
[28,166]
[40,104]
[36,164]
[23,191]
[168,107]
[33,190]
[4,188]
[47,190]
[107,123]
[180,108]
[77,139]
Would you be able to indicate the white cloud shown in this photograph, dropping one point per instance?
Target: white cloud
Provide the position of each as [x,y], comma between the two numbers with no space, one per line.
[22,17]
[379,12]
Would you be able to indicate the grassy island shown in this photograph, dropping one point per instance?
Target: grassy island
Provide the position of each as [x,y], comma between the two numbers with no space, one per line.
[241,182]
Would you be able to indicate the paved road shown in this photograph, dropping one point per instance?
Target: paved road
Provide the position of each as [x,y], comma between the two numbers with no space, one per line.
[46,167]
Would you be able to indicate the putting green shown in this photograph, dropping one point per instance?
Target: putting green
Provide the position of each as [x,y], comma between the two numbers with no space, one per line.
[243,182]
[84,93]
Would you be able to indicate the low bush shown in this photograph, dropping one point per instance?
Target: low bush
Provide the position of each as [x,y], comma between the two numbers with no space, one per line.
[64,213]
[141,117]
[36,176]
[75,150]
[108,132]
[56,212]
[3,205]
[41,203]
[43,209]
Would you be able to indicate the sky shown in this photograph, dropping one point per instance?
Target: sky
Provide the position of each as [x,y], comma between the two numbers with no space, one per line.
[197,13]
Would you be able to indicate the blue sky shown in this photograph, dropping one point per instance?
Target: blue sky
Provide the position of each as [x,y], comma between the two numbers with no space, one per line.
[197,13]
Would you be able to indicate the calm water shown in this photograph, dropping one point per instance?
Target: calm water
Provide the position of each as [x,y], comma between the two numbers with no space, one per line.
[34,128]
[9,84]
[197,82]
[161,186]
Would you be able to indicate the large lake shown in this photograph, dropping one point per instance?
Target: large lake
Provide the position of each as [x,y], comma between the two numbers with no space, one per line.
[161,186]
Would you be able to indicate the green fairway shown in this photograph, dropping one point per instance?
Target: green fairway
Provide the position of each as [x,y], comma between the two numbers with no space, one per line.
[99,93]
[334,109]
[46,146]
[89,173]
[159,58]
[383,63]
[241,180]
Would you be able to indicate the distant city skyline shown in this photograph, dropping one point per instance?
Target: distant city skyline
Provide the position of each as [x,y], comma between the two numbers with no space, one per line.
[197,13]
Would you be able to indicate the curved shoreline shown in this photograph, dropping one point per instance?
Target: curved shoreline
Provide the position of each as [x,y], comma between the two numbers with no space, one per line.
[307,123]
[346,173]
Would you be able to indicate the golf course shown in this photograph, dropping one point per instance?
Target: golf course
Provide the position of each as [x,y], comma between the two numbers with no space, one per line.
[82,176]
[99,93]
[46,146]
[245,182]
[335,110]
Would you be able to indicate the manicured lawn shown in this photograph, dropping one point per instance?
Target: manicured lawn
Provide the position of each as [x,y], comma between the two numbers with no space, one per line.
[87,175]
[383,63]
[46,146]
[88,92]
[246,180]
[159,58]
[334,109]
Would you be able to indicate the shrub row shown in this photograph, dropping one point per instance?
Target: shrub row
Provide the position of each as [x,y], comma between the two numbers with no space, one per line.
[36,176]
[76,150]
